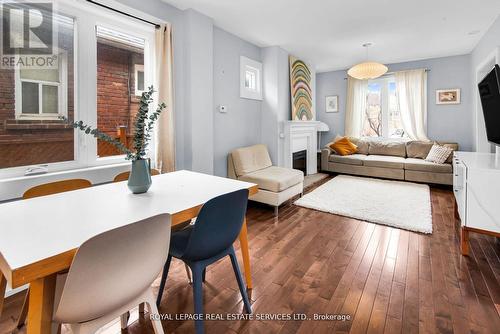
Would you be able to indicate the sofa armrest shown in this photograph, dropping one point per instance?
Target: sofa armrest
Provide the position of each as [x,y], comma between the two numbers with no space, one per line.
[325,153]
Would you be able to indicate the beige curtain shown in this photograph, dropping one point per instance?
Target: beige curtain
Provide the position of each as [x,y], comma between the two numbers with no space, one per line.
[165,138]
[357,91]
[411,88]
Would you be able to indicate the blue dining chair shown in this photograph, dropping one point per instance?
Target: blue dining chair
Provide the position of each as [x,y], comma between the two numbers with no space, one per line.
[210,239]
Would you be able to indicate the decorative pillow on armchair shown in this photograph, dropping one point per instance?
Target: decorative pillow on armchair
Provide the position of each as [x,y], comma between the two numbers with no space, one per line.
[343,146]
[438,154]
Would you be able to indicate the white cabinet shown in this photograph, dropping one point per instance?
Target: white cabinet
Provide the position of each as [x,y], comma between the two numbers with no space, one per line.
[476,185]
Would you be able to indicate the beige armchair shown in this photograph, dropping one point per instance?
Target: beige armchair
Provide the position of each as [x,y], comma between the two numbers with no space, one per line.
[276,184]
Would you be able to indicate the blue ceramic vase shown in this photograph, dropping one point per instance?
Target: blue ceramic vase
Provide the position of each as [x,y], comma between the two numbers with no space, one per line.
[139,180]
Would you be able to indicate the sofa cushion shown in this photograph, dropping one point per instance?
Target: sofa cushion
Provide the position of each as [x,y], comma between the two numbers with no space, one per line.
[344,146]
[250,159]
[439,154]
[396,149]
[384,161]
[453,146]
[418,149]
[353,159]
[362,144]
[274,178]
[425,166]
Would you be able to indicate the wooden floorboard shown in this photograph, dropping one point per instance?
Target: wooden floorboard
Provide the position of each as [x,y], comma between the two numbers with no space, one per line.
[309,262]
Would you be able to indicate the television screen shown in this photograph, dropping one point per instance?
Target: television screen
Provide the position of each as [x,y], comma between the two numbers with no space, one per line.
[489,91]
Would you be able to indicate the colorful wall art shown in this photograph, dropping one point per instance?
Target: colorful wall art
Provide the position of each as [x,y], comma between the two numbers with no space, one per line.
[301,92]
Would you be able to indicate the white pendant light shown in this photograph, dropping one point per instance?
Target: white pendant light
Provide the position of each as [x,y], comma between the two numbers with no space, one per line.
[367,70]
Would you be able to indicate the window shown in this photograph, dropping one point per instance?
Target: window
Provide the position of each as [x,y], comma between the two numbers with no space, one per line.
[88,83]
[382,116]
[41,93]
[32,99]
[250,79]
[120,79]
[139,79]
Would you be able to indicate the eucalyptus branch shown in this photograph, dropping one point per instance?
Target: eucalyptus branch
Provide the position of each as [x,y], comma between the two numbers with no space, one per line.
[142,131]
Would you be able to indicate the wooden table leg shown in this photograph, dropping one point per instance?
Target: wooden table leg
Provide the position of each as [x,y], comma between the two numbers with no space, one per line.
[464,241]
[41,305]
[3,286]
[246,254]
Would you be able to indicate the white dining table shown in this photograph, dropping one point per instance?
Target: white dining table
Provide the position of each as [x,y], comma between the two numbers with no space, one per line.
[40,236]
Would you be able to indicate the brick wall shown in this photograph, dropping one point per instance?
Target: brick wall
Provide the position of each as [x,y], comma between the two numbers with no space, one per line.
[116,101]
[35,142]
[25,142]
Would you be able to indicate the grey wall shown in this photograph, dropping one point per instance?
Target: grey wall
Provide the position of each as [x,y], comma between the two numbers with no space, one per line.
[444,122]
[483,50]
[240,125]
[199,88]
[276,104]
[488,43]
[331,83]
[206,74]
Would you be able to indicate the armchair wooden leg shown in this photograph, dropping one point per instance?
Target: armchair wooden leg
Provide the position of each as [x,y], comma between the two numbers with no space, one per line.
[276,211]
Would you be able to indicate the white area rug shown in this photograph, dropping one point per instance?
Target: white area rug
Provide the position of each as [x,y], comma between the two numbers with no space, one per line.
[395,203]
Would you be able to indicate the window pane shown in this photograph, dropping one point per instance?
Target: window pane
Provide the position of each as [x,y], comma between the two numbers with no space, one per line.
[30,98]
[51,75]
[140,80]
[250,80]
[372,126]
[118,54]
[39,138]
[395,125]
[49,99]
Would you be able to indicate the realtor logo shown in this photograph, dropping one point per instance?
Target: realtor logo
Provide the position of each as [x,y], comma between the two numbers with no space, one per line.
[27,35]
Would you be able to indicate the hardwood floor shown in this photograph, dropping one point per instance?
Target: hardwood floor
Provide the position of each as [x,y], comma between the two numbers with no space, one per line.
[387,280]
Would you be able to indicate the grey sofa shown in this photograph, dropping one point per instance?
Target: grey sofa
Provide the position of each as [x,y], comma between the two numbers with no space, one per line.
[390,160]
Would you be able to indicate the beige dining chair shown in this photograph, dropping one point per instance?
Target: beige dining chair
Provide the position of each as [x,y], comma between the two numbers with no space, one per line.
[109,277]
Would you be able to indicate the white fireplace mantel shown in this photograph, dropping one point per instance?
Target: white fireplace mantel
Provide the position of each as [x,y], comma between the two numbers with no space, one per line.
[301,135]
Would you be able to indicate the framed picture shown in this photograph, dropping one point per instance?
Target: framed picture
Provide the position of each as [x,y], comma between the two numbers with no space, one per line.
[332,103]
[448,96]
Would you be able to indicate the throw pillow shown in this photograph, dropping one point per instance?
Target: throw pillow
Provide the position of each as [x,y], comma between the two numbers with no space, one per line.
[438,154]
[344,146]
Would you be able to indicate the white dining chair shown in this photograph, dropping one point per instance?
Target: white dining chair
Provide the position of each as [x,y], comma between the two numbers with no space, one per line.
[109,277]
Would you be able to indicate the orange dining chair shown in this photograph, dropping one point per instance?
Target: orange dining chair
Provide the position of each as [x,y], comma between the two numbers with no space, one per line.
[124,176]
[44,190]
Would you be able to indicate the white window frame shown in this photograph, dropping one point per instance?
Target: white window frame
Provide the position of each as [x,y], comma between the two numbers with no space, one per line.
[384,107]
[87,17]
[138,68]
[62,93]
[247,64]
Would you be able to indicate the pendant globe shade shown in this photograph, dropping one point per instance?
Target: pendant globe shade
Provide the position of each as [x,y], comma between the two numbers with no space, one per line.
[368,70]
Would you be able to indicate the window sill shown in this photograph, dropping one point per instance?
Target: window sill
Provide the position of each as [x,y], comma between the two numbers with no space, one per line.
[13,188]
[32,124]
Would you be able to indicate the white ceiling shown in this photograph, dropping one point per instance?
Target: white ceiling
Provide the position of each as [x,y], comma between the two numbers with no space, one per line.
[329,33]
